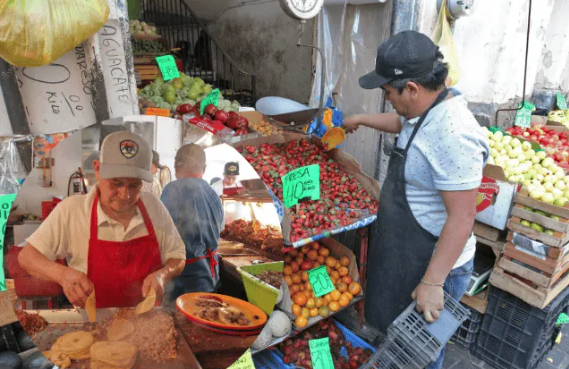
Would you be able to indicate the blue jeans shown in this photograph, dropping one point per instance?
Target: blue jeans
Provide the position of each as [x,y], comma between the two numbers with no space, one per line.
[455,285]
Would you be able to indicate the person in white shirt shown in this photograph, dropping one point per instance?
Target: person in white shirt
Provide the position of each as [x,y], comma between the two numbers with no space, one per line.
[230,174]
[117,241]
[154,187]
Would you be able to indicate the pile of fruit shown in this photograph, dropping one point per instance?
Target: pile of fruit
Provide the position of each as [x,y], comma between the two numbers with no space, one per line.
[264,128]
[297,350]
[539,227]
[138,28]
[556,143]
[304,303]
[343,200]
[147,46]
[545,180]
[231,120]
[184,90]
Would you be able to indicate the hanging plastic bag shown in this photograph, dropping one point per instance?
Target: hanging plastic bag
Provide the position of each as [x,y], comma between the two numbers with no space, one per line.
[38,32]
[442,36]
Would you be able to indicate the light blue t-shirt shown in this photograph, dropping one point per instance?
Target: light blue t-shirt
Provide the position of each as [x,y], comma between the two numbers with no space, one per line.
[198,214]
[447,154]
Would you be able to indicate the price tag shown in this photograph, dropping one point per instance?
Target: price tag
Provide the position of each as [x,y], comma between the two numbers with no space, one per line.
[320,354]
[561,102]
[5,206]
[168,67]
[7,314]
[563,319]
[211,98]
[523,116]
[158,111]
[300,184]
[244,362]
[320,281]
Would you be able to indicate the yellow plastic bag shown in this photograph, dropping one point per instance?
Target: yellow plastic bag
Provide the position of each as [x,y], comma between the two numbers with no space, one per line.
[37,32]
[442,36]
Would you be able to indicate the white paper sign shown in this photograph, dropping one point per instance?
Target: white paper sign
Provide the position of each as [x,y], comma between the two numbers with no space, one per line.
[58,97]
[115,72]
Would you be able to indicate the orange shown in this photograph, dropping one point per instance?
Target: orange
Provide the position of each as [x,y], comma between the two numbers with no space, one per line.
[334,306]
[338,265]
[312,255]
[319,302]
[293,253]
[334,280]
[301,287]
[296,278]
[344,301]
[330,261]
[350,296]
[335,295]
[295,266]
[347,280]
[324,251]
[296,310]
[328,270]
[327,299]
[300,299]
[295,288]
[304,276]
[313,312]
[307,293]
[288,280]
[287,259]
[299,260]
[342,287]
[305,313]
[355,288]
[324,311]
[301,322]
[304,249]
[308,286]
[335,274]
[316,264]
[287,270]
[310,303]
[314,245]
[321,259]
[343,271]
[345,261]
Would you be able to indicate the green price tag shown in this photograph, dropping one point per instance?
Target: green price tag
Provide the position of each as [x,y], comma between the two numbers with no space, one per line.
[168,67]
[300,184]
[523,116]
[211,98]
[5,206]
[320,354]
[320,281]
[244,362]
[561,102]
[563,319]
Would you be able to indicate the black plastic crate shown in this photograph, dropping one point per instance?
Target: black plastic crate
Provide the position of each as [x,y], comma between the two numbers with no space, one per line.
[466,335]
[515,335]
[394,355]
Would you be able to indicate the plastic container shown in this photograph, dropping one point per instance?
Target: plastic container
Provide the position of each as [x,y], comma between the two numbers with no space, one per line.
[395,354]
[513,333]
[466,335]
[259,293]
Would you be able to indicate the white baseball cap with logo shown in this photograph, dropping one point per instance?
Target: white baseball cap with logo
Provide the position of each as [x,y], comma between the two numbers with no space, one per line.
[125,155]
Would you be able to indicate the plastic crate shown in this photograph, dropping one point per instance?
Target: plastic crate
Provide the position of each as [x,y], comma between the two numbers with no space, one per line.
[395,354]
[515,335]
[258,292]
[465,336]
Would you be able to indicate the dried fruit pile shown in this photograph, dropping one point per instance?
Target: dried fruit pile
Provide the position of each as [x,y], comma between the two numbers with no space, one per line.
[304,303]
[343,200]
[297,350]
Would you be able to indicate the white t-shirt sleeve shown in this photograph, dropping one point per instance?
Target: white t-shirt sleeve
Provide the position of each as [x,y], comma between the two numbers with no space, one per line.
[171,244]
[50,238]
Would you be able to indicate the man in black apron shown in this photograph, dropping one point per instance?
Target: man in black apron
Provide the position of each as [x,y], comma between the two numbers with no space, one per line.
[422,240]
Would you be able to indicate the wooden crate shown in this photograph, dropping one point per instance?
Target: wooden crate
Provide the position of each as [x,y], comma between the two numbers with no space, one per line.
[487,232]
[558,239]
[477,302]
[561,225]
[553,252]
[548,270]
[523,198]
[525,289]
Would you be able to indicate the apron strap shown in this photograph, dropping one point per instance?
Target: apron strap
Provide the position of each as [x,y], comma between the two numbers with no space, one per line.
[212,261]
[95,218]
[439,99]
[146,217]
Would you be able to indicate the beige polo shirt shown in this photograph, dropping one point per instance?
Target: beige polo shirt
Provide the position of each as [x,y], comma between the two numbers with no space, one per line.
[65,233]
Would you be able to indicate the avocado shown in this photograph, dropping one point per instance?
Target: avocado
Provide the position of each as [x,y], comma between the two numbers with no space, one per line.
[37,361]
[24,341]
[10,360]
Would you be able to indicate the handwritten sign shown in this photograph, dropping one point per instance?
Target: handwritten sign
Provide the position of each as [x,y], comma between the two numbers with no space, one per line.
[562,319]
[320,281]
[168,67]
[211,98]
[561,102]
[320,354]
[300,184]
[7,314]
[523,116]
[244,362]
[115,75]
[5,206]
[159,112]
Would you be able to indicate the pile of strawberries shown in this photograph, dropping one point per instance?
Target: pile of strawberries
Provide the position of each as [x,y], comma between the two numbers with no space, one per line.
[343,200]
[297,350]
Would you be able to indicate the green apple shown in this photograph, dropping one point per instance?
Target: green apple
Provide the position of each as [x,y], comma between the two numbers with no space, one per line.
[541,155]
[535,159]
[547,198]
[539,212]
[537,227]
[506,140]
[532,172]
[530,154]
[560,185]
[498,136]
[549,232]
[537,194]
[494,153]
[557,193]
[546,163]
[491,143]
[560,176]
[560,202]
[498,145]
[522,158]
[526,146]
[554,217]
[525,223]
[516,142]
[527,208]
[548,187]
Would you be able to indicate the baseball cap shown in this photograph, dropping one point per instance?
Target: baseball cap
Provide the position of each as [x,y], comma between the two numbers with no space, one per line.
[408,54]
[231,169]
[156,160]
[125,155]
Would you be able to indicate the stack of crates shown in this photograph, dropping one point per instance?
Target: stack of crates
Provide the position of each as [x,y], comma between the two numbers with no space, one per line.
[515,335]
[466,335]
[412,343]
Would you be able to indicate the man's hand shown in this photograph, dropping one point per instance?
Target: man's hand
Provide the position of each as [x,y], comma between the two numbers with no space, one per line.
[430,301]
[76,286]
[156,281]
[351,124]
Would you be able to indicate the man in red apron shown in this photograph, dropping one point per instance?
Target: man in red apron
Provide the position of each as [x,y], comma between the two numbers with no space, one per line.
[230,174]
[199,219]
[117,241]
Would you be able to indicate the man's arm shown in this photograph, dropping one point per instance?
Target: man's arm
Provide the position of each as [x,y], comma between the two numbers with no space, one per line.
[461,210]
[385,122]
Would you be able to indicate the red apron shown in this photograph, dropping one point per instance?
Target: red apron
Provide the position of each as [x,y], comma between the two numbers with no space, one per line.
[118,269]
[212,262]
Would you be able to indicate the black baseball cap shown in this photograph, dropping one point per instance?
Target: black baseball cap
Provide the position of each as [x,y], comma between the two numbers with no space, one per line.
[408,54]
[156,160]
[231,169]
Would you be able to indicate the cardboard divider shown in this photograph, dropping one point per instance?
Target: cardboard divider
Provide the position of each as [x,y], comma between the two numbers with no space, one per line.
[496,198]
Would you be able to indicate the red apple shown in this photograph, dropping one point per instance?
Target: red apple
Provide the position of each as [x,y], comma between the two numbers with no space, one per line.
[210,109]
[221,116]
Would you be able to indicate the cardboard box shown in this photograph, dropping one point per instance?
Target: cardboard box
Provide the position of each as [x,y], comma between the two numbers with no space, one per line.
[496,197]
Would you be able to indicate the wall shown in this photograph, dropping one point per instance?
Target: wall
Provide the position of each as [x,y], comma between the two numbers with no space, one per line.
[67,155]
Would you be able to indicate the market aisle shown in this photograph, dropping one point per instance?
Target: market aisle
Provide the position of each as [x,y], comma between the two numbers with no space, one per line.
[457,357]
